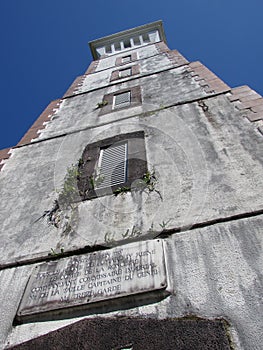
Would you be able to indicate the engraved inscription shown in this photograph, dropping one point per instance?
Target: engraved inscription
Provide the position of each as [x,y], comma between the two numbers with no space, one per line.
[131,269]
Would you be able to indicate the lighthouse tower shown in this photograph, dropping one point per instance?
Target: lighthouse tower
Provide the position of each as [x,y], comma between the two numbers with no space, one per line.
[131,211]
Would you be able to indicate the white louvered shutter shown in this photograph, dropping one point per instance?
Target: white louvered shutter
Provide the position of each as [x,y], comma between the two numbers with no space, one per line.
[112,166]
[122,100]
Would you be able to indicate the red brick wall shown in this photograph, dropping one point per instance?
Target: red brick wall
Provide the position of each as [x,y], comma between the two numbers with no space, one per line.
[4,155]
[207,79]
[250,102]
[73,89]
[162,47]
[92,67]
[174,56]
[32,133]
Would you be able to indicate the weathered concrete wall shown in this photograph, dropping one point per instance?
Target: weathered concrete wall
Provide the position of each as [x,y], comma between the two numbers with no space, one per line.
[191,150]
[213,272]
[158,90]
[147,66]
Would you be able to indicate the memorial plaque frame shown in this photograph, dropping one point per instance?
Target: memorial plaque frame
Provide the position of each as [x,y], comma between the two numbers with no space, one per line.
[124,276]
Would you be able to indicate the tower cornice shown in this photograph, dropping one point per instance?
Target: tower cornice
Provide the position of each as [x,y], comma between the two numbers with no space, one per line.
[99,47]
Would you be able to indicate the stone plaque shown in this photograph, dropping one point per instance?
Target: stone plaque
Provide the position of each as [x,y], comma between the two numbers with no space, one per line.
[86,279]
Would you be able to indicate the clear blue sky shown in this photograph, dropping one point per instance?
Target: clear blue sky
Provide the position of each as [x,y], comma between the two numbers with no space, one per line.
[44,45]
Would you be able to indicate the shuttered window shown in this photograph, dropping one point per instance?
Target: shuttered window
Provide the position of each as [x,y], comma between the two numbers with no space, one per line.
[122,100]
[112,166]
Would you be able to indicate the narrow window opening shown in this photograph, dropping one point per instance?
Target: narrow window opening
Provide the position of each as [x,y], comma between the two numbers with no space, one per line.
[145,38]
[127,43]
[122,100]
[126,59]
[108,49]
[154,36]
[136,40]
[125,73]
[117,46]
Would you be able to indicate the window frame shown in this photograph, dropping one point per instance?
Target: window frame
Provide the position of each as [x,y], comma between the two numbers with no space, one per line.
[115,75]
[135,100]
[128,73]
[126,61]
[122,104]
[136,165]
[119,60]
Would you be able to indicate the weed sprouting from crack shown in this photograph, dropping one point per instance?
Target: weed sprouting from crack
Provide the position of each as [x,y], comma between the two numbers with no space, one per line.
[150,179]
[64,212]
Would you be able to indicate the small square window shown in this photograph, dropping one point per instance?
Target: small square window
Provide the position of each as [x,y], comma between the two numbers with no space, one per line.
[117,46]
[125,73]
[136,40]
[146,38]
[108,49]
[126,59]
[122,100]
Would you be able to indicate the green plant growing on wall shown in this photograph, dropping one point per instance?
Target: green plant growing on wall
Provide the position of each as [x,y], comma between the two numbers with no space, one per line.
[71,219]
[53,252]
[68,197]
[101,104]
[150,180]
[51,215]
[69,192]
[164,224]
[121,191]
[95,181]
[64,212]
[147,182]
[135,232]
[109,237]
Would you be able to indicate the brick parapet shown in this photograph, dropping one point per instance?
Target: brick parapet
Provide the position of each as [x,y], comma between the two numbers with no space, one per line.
[78,82]
[4,154]
[162,47]
[39,124]
[249,101]
[174,56]
[74,87]
[92,67]
[207,79]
